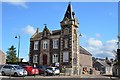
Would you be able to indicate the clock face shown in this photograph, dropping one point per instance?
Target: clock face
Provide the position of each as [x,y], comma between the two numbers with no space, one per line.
[65,22]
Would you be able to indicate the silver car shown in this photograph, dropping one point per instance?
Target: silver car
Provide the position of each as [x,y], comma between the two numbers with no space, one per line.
[52,71]
[0,69]
[15,70]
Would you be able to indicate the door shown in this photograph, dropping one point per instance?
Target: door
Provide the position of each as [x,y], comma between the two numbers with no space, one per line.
[44,59]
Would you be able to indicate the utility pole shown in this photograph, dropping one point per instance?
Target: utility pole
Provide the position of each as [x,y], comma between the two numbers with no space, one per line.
[118,50]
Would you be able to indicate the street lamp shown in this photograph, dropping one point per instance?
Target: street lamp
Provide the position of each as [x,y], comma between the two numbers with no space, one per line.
[18,36]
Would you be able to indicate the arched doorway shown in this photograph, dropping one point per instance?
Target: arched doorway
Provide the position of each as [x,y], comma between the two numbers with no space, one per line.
[44,59]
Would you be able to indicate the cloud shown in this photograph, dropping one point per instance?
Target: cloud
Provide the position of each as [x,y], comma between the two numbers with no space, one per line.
[21,3]
[98,35]
[29,30]
[94,42]
[99,49]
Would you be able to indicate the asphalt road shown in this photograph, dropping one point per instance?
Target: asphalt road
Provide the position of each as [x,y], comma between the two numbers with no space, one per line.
[87,77]
[59,79]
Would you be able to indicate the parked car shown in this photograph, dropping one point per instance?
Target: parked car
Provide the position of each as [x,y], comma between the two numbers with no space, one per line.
[52,71]
[31,70]
[15,70]
[42,69]
[0,68]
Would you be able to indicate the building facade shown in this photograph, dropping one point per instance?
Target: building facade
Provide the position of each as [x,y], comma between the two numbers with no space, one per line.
[85,61]
[103,67]
[58,46]
[2,57]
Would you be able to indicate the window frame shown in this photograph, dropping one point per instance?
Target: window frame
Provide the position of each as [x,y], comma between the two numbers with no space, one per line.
[35,58]
[55,43]
[36,45]
[45,44]
[55,58]
[66,56]
[66,43]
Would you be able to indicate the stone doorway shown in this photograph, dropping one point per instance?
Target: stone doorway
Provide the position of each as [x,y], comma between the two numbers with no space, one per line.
[44,59]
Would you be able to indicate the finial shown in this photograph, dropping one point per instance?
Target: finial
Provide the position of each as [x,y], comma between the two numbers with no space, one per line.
[45,25]
[37,30]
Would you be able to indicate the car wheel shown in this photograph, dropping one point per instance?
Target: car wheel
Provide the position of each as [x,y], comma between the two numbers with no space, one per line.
[3,73]
[15,74]
[45,74]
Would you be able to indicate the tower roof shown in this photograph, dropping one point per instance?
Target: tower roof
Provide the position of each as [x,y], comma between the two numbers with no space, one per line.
[69,12]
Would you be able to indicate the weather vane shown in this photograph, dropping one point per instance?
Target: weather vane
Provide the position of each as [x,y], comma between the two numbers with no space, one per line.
[45,24]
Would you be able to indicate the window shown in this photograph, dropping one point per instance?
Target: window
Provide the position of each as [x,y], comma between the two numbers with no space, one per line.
[6,66]
[55,58]
[55,43]
[66,43]
[45,44]
[35,59]
[66,56]
[36,45]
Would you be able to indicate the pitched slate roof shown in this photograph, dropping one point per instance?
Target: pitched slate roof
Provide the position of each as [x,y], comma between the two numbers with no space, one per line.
[69,12]
[103,63]
[54,32]
[84,51]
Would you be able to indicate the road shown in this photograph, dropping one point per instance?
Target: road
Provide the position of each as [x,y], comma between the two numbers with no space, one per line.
[84,77]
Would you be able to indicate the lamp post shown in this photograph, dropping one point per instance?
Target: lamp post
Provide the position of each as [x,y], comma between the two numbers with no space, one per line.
[18,36]
[79,69]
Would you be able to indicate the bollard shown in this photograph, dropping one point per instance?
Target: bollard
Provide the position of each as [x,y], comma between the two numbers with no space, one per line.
[23,73]
[10,74]
[44,73]
[34,72]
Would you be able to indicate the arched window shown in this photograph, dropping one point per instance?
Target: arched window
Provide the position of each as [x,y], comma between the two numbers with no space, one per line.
[55,58]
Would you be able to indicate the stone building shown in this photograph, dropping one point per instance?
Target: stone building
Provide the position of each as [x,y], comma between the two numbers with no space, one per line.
[57,46]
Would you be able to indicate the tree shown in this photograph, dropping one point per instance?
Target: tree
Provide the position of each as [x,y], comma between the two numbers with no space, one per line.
[117,55]
[11,55]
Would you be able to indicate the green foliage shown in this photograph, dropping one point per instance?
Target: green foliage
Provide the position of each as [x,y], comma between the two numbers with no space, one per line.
[11,55]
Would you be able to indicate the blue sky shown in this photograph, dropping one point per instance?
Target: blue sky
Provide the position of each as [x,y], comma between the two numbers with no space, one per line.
[98,24]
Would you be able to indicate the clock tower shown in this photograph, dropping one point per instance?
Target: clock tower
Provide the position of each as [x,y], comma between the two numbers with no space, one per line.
[69,56]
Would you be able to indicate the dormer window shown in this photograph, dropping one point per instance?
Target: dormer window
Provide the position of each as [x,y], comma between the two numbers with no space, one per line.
[45,44]
[35,45]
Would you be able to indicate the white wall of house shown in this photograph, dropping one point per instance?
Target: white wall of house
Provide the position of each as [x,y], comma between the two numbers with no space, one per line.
[108,70]
[2,57]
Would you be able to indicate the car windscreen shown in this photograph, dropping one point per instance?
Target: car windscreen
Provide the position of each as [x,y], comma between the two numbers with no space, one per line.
[56,68]
[50,68]
[1,66]
[18,67]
